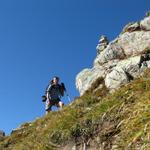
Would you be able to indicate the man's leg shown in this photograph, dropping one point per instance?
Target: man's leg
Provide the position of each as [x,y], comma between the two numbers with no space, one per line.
[60,104]
[48,106]
[47,111]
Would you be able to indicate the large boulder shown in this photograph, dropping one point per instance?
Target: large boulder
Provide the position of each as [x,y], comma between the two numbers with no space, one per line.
[134,43]
[125,71]
[116,78]
[88,76]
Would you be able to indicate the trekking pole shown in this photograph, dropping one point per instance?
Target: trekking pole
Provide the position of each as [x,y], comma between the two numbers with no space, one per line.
[69,99]
[63,85]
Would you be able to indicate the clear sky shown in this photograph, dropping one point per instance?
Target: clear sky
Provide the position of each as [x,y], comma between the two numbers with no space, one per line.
[43,38]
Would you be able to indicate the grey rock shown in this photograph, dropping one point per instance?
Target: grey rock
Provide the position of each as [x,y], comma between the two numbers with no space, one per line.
[131,65]
[115,79]
[125,71]
[145,24]
[2,134]
[113,51]
[148,64]
[132,27]
[134,43]
[85,78]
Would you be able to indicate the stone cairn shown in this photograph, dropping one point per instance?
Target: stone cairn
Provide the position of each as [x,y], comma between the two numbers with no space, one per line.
[103,42]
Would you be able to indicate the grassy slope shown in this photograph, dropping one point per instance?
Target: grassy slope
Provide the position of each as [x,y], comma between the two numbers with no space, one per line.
[112,121]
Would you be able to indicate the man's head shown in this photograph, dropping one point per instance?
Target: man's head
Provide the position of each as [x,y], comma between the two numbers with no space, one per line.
[55,80]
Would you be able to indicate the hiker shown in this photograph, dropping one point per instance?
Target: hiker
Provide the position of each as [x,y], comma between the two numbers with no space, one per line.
[54,92]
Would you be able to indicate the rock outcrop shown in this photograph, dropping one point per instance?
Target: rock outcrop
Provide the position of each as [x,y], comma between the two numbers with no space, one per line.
[2,134]
[121,60]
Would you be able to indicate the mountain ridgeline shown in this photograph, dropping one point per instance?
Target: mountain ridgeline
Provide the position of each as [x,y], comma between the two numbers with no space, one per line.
[113,110]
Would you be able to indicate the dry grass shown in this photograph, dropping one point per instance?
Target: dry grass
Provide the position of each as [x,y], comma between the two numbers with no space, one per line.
[113,121]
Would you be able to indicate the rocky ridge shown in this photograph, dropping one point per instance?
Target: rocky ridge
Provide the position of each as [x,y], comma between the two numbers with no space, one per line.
[121,60]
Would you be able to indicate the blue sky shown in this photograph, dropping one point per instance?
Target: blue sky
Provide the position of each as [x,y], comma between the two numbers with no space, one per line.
[43,38]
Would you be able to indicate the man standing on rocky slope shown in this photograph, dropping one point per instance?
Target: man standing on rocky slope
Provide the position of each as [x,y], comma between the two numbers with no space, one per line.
[54,92]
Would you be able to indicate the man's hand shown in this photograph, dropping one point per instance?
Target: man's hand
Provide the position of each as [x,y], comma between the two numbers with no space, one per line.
[44,98]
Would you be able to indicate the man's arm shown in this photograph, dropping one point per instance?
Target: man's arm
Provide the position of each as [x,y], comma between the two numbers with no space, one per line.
[47,91]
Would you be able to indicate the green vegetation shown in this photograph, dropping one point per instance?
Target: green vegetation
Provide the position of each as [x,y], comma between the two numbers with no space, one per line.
[117,121]
[125,29]
[148,14]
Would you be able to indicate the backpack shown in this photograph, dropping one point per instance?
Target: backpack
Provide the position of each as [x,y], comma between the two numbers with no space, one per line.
[62,89]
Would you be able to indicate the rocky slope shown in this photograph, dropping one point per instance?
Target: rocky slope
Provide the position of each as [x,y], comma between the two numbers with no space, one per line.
[100,119]
[121,60]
